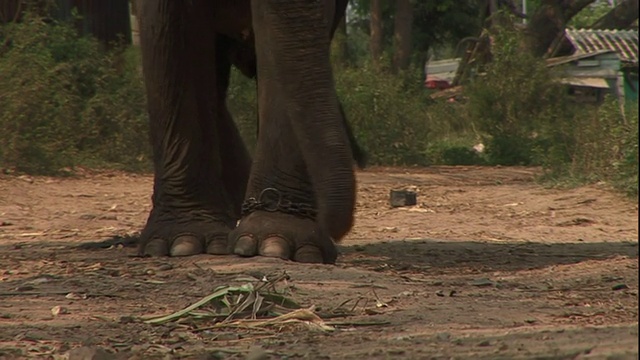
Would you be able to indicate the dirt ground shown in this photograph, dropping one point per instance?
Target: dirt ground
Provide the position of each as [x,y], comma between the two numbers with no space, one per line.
[488,265]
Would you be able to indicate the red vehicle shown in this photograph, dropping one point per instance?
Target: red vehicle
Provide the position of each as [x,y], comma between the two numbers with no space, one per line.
[434,83]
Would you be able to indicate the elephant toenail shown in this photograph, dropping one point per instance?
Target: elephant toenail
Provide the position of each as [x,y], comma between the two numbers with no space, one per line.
[185,245]
[246,246]
[156,247]
[218,246]
[309,254]
[275,246]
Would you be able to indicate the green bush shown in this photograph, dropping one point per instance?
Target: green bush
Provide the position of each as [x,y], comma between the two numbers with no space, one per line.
[516,102]
[243,106]
[626,165]
[66,102]
[603,146]
[389,120]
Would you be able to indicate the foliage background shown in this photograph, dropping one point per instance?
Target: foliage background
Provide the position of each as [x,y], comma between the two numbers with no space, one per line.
[66,101]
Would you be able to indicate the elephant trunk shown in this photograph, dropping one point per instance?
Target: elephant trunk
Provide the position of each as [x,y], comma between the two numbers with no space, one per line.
[293,42]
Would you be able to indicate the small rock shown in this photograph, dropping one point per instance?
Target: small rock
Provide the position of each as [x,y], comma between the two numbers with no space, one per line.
[482,282]
[87,217]
[59,310]
[440,293]
[443,336]
[25,288]
[257,353]
[75,296]
[45,278]
[403,338]
[484,343]
[192,276]
[165,267]
[617,287]
[26,178]
[108,217]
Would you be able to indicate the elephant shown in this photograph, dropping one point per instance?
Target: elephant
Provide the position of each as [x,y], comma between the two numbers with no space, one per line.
[295,198]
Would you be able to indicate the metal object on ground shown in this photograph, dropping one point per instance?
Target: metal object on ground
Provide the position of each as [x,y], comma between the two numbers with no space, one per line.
[398,198]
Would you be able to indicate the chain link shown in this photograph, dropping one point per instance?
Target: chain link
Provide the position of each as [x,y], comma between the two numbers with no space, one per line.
[278,204]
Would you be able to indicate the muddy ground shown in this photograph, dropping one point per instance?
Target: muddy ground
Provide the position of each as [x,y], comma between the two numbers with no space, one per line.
[488,265]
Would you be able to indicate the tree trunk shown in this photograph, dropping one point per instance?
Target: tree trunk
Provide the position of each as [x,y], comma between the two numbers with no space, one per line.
[402,35]
[620,17]
[375,42]
[10,10]
[549,21]
[107,20]
[14,10]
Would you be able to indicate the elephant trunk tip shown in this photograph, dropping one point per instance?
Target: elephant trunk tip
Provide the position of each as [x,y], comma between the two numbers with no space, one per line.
[336,214]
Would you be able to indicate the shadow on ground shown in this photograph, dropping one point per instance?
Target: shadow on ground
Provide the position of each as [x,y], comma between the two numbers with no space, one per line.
[414,254]
[483,256]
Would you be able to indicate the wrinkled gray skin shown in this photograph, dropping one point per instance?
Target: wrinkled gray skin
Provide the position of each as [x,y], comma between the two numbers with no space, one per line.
[203,171]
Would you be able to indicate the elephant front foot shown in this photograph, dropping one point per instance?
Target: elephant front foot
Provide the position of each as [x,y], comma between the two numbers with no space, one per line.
[282,235]
[184,236]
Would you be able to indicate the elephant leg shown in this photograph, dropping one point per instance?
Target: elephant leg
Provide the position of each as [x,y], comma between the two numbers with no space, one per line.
[236,161]
[301,191]
[193,199]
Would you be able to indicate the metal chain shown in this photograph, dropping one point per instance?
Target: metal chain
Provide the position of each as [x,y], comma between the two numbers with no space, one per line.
[278,204]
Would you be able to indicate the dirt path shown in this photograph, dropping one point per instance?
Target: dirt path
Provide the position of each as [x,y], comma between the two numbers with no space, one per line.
[488,265]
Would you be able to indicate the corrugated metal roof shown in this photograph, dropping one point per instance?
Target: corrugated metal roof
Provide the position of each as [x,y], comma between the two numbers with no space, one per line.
[624,42]
[578,56]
